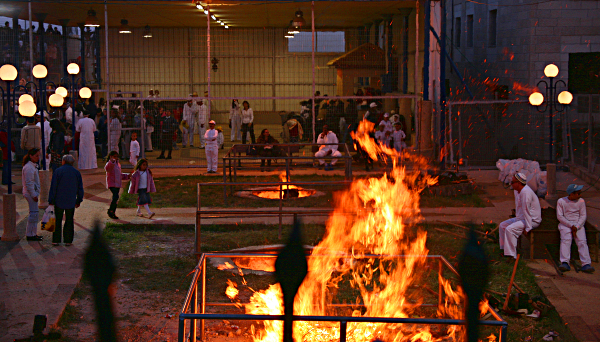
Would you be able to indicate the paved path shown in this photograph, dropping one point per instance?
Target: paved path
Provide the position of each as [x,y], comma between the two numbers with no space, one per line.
[37,278]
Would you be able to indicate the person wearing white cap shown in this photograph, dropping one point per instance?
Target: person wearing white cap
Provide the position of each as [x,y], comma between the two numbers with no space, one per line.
[190,113]
[372,114]
[528,216]
[212,147]
[571,214]
[389,126]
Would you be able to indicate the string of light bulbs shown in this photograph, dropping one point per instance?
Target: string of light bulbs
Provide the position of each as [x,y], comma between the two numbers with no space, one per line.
[212,16]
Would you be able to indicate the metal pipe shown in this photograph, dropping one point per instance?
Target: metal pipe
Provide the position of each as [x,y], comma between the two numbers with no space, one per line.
[314,120]
[426,49]
[203,296]
[358,319]
[31,44]
[194,323]
[82,53]
[107,80]
[208,66]
[440,286]
[443,86]
[198,220]
[343,330]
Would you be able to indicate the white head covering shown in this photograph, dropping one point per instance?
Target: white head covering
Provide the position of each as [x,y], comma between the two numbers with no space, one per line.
[521,178]
[373,105]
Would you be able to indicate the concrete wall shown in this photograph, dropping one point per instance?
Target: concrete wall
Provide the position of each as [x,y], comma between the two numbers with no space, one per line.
[530,35]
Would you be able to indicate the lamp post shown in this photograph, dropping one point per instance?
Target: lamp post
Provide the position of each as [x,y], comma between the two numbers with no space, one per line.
[8,73]
[553,102]
[84,92]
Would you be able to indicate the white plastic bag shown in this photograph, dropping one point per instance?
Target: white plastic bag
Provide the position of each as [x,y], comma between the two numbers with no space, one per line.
[49,220]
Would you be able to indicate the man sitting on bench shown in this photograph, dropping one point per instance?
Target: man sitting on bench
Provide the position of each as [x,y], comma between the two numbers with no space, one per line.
[571,214]
[528,216]
[327,137]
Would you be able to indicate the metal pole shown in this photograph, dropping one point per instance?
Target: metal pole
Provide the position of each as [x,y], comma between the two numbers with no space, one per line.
[426,48]
[208,60]
[107,80]
[550,108]
[198,222]
[42,102]
[280,209]
[314,120]
[343,331]
[97,31]
[64,23]
[443,86]
[82,53]
[194,323]
[74,102]
[416,74]
[203,302]
[30,42]
[10,111]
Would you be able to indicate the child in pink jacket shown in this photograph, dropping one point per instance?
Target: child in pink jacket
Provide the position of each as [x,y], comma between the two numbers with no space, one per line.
[114,178]
[142,184]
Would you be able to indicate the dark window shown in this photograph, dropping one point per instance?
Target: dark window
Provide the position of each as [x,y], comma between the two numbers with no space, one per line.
[470,30]
[458,31]
[492,28]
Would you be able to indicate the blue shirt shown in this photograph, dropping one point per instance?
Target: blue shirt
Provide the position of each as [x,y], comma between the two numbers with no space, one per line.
[66,189]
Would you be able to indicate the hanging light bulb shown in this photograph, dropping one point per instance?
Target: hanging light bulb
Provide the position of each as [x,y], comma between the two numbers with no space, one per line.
[298,20]
[199,6]
[124,26]
[206,12]
[213,17]
[147,32]
[222,23]
[226,26]
[92,20]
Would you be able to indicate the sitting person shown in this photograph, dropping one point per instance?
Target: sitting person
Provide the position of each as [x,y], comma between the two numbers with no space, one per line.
[571,214]
[528,216]
[327,137]
[268,150]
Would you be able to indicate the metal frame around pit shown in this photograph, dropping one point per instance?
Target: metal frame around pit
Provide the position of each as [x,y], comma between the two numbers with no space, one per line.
[190,308]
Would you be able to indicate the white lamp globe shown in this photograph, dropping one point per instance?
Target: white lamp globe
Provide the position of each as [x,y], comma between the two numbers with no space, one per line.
[85,93]
[536,98]
[27,108]
[73,68]
[25,97]
[40,71]
[62,91]
[8,72]
[565,97]
[56,100]
[551,70]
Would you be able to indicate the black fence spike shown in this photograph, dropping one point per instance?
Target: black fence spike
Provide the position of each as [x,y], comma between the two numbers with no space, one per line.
[291,267]
[99,267]
[474,272]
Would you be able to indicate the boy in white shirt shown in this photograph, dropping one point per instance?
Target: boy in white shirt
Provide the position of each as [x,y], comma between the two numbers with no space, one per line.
[571,214]
[134,149]
[212,147]
[398,137]
[382,136]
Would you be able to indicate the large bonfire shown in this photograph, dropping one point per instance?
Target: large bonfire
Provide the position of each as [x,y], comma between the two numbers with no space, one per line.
[376,216]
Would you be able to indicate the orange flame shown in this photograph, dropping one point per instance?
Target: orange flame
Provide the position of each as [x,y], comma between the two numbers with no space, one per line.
[375,216]
[231,290]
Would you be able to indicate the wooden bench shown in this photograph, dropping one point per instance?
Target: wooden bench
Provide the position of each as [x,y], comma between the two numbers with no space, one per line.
[539,238]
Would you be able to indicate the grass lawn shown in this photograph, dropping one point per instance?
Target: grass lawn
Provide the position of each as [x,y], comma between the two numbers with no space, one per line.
[181,192]
[157,260]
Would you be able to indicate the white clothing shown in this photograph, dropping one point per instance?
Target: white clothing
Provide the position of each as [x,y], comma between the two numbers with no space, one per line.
[190,113]
[220,139]
[31,188]
[398,137]
[143,180]
[203,117]
[134,152]
[31,180]
[247,116]
[47,130]
[528,208]
[115,134]
[69,116]
[236,123]
[508,233]
[570,214]
[148,141]
[389,126]
[382,139]
[87,145]
[212,149]
[528,217]
[211,136]
[330,138]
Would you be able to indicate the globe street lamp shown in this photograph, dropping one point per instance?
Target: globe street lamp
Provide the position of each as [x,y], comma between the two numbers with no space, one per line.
[84,92]
[553,102]
[8,73]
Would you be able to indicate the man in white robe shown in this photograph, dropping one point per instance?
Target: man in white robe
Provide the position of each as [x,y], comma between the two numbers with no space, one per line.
[203,116]
[190,113]
[87,145]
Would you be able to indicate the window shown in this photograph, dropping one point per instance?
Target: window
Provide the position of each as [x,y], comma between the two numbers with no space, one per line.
[326,41]
[458,31]
[492,28]
[470,30]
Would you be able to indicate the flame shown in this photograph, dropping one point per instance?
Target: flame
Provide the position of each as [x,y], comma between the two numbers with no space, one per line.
[226,266]
[231,290]
[375,216]
[273,193]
